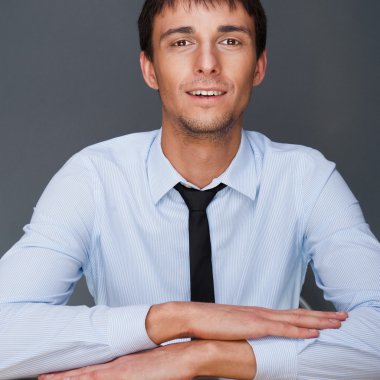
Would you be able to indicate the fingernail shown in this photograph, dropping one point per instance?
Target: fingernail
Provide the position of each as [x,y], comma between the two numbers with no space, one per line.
[343,313]
[314,332]
[335,321]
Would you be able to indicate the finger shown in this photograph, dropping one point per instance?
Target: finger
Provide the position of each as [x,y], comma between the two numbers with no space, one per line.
[341,315]
[73,373]
[65,376]
[94,375]
[305,321]
[283,329]
[302,312]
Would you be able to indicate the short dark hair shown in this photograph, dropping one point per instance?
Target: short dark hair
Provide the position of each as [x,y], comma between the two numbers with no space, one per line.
[151,8]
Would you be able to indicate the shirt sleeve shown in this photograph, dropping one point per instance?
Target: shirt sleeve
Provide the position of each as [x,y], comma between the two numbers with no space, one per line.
[38,333]
[345,258]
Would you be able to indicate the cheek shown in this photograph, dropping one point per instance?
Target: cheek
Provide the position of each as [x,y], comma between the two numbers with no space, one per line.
[245,88]
[169,79]
[247,76]
[241,71]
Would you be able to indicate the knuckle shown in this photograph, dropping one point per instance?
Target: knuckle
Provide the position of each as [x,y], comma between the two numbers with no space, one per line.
[301,312]
[296,318]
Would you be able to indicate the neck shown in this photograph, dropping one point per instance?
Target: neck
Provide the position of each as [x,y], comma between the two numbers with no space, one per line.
[200,160]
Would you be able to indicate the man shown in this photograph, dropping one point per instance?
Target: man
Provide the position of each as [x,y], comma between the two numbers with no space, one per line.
[116,212]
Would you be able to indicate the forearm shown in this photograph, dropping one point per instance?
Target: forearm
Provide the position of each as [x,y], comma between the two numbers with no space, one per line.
[207,321]
[40,338]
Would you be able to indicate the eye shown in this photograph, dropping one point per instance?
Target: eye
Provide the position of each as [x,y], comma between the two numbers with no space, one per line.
[181,43]
[230,42]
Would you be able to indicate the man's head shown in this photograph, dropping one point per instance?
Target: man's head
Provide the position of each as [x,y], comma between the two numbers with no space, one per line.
[152,8]
[203,58]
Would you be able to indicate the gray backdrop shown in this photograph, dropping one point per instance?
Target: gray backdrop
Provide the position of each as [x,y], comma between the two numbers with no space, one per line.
[69,77]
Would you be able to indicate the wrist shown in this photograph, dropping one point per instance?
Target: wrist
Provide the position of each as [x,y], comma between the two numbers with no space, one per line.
[229,359]
[202,354]
[166,321]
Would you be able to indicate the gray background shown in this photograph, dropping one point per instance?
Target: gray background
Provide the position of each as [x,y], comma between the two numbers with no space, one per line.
[69,77]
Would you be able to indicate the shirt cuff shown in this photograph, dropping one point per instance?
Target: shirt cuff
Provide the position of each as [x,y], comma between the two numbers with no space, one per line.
[276,358]
[126,330]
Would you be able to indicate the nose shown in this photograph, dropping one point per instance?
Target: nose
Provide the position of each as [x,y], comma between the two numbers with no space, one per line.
[207,61]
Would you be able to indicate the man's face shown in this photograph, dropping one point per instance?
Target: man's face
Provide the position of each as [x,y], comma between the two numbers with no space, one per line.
[204,66]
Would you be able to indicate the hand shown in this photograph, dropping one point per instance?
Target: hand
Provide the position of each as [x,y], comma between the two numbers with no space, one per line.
[162,363]
[181,361]
[224,322]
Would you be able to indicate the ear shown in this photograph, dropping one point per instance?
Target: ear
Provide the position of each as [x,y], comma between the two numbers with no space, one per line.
[148,72]
[261,68]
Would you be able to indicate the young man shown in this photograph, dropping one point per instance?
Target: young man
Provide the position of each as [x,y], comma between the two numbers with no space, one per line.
[116,212]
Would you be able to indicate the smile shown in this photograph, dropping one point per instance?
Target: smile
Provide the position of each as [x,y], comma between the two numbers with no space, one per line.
[206,93]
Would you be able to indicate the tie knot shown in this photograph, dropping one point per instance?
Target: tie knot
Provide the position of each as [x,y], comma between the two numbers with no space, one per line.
[197,200]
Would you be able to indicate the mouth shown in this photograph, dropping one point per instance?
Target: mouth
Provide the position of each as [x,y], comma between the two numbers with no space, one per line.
[206,93]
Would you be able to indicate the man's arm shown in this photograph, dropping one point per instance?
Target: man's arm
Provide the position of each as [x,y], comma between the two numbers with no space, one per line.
[37,276]
[181,361]
[208,321]
[345,257]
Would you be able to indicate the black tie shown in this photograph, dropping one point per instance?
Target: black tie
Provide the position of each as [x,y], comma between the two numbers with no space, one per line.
[201,280]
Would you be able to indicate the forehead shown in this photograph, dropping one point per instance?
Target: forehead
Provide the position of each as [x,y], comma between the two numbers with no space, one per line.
[198,13]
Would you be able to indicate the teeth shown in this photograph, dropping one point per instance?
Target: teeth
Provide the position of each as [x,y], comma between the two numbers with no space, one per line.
[206,93]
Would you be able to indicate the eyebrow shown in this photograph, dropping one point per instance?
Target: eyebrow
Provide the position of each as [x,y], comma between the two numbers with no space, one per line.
[190,30]
[234,28]
[180,30]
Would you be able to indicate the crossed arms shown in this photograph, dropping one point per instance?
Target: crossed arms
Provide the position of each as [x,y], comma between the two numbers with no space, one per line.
[221,351]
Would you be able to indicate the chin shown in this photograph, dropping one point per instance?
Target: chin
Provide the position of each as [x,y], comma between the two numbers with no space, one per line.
[215,128]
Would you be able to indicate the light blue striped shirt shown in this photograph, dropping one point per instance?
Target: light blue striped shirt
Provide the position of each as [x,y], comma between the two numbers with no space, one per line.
[111,213]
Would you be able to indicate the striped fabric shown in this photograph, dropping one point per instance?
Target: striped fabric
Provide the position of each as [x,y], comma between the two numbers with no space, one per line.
[111,213]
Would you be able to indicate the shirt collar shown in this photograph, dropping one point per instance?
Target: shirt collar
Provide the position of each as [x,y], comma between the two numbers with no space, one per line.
[162,176]
[240,174]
